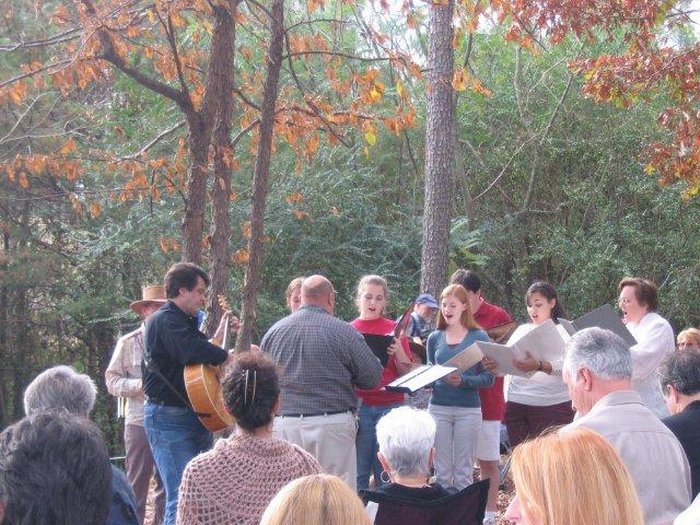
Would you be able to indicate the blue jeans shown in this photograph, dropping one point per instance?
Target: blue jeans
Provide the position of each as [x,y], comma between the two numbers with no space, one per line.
[176,436]
[366,443]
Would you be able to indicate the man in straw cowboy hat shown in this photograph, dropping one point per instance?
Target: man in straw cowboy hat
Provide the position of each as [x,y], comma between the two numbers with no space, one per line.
[123,377]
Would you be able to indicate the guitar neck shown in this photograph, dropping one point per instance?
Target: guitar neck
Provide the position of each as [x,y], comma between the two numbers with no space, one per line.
[226,343]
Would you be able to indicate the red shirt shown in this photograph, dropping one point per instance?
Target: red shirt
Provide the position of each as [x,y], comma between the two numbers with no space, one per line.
[377,396]
[493,404]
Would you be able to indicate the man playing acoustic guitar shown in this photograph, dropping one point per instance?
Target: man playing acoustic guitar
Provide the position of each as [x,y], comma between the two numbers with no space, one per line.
[173,341]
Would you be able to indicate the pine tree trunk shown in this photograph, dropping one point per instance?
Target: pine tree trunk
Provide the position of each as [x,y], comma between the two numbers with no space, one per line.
[193,221]
[439,150]
[221,85]
[251,280]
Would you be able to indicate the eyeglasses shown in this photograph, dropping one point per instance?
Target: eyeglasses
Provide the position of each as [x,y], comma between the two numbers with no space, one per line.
[624,300]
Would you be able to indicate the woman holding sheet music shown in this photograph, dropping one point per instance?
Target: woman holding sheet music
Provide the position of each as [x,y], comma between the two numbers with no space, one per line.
[638,301]
[371,300]
[454,403]
[542,400]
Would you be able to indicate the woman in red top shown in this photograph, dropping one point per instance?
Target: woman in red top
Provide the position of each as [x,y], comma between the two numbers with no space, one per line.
[371,301]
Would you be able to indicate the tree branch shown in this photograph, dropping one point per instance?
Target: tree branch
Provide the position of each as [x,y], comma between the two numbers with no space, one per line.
[110,55]
[12,80]
[66,36]
[333,53]
[155,141]
[313,107]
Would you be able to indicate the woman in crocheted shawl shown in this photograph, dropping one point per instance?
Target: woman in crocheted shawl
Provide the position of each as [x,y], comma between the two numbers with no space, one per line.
[233,483]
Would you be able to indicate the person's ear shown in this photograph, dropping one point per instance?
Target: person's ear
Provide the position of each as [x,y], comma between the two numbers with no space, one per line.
[672,394]
[383,461]
[587,378]
[277,405]
[431,457]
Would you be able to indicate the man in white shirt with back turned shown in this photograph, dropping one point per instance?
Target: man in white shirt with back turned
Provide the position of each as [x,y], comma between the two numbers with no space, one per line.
[598,373]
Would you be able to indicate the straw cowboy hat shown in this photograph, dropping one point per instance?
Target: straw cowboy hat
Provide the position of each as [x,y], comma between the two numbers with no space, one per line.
[154,294]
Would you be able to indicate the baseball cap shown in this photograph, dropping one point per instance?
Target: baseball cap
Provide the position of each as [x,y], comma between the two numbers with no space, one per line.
[427,299]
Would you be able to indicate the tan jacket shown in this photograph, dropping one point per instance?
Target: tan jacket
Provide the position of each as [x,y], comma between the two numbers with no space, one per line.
[123,376]
[652,454]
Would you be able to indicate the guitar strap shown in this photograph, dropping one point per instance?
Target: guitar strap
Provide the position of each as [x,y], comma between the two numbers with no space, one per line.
[152,367]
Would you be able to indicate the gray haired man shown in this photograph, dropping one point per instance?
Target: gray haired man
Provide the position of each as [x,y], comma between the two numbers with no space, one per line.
[62,388]
[598,372]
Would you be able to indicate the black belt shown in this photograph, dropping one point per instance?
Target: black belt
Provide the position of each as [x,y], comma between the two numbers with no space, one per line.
[328,413]
[159,402]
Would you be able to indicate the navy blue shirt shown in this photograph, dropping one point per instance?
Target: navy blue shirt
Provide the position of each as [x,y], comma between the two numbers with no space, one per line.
[173,341]
[122,507]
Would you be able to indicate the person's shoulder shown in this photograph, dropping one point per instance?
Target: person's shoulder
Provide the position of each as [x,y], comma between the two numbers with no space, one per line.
[207,460]
[131,335]
[655,319]
[164,314]
[685,420]
[280,323]
[494,309]
[479,334]
[435,334]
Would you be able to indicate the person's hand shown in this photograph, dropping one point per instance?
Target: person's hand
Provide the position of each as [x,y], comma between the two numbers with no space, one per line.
[527,364]
[395,348]
[232,321]
[453,379]
[489,364]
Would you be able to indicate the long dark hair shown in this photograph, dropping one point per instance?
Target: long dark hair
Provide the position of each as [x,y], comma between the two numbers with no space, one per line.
[547,291]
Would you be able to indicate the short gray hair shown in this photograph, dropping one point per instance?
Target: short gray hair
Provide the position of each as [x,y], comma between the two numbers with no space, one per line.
[60,387]
[681,370]
[406,436]
[601,351]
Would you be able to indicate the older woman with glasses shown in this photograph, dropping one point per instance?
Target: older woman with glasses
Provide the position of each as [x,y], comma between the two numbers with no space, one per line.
[639,301]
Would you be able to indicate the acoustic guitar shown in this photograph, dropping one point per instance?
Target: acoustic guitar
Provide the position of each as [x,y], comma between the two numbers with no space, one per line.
[204,390]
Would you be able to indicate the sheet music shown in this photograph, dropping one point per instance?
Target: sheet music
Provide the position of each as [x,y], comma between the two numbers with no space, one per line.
[544,342]
[420,377]
[603,317]
[466,359]
[503,356]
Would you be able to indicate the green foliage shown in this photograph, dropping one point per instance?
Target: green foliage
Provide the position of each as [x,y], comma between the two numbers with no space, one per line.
[338,217]
[593,215]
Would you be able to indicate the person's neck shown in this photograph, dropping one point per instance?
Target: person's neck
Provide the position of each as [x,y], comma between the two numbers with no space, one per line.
[638,318]
[324,305]
[608,386]
[411,481]
[264,432]
[684,401]
[456,332]
[181,306]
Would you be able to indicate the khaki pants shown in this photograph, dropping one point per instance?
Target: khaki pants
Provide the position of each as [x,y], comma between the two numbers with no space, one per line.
[330,439]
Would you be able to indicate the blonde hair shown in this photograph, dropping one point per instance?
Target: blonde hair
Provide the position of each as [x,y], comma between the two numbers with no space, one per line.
[467,318]
[320,499]
[293,286]
[574,478]
[376,280]
[689,333]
